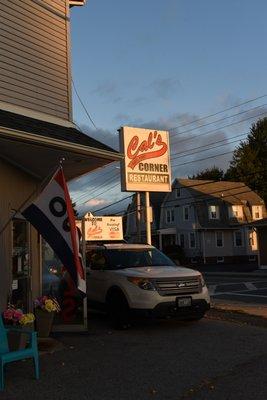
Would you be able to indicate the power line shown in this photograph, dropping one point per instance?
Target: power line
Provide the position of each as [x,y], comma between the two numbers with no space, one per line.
[216,113]
[210,148]
[202,159]
[221,119]
[208,144]
[93,180]
[221,127]
[82,104]
[116,202]
[194,186]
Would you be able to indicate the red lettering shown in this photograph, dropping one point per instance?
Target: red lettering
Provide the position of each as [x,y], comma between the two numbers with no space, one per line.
[138,152]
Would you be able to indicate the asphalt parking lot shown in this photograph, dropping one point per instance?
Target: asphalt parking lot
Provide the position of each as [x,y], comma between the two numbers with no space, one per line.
[241,289]
[161,360]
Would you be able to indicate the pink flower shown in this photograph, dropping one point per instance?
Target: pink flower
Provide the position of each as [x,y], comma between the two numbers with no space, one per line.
[17,315]
[8,314]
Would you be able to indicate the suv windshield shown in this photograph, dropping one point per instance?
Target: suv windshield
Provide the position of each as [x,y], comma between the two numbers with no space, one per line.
[120,259]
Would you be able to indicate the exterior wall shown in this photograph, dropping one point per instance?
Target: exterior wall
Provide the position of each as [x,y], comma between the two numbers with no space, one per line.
[34,56]
[15,186]
[262,236]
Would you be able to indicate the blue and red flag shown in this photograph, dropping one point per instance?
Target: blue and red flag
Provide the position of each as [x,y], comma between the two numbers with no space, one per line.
[51,213]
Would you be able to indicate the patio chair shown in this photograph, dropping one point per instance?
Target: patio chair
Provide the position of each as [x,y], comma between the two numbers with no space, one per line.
[7,356]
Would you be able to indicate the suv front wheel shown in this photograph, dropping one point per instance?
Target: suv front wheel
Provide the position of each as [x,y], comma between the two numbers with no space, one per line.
[118,309]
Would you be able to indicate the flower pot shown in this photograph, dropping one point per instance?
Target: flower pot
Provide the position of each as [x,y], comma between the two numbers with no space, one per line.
[17,340]
[43,321]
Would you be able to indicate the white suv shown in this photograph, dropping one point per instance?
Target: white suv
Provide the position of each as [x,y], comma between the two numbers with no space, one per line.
[135,278]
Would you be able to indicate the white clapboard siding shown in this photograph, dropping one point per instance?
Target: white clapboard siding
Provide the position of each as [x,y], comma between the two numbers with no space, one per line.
[34,55]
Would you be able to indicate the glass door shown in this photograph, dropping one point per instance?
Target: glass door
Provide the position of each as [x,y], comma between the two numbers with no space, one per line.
[21,274]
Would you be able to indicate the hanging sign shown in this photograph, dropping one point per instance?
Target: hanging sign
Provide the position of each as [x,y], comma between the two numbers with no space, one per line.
[103,228]
[146,166]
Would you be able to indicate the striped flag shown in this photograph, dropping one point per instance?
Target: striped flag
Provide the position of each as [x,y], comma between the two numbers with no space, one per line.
[53,217]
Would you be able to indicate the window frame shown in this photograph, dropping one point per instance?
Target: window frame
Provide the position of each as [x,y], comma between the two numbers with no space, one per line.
[189,240]
[242,239]
[217,210]
[216,239]
[184,208]
[170,212]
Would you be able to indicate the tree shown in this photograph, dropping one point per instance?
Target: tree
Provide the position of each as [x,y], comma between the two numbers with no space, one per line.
[249,163]
[214,174]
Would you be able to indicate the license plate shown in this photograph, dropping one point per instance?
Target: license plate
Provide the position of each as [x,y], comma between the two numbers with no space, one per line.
[184,301]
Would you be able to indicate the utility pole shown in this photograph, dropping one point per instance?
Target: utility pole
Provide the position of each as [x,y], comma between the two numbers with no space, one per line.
[148,219]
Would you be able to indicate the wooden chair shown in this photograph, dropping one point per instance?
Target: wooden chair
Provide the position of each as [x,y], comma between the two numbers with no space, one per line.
[7,356]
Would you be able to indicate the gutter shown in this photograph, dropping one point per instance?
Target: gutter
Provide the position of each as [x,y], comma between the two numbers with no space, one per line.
[57,143]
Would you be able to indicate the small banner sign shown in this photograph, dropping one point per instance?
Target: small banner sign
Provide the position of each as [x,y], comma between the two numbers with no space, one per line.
[103,228]
[146,166]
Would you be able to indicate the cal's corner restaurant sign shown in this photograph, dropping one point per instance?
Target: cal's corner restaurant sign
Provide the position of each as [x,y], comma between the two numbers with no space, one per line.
[146,166]
[102,228]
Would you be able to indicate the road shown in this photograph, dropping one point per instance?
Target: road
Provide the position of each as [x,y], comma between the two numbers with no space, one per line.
[166,360]
[248,290]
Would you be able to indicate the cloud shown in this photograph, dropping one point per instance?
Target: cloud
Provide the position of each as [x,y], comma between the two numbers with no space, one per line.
[165,88]
[95,202]
[105,88]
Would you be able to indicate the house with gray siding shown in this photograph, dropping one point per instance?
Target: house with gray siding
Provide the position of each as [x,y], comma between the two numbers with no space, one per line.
[211,221]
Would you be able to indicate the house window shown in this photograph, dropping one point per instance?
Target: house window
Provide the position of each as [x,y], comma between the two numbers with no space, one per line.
[169,216]
[213,212]
[252,258]
[236,211]
[257,212]
[220,260]
[219,239]
[181,240]
[238,242]
[192,240]
[186,213]
[178,192]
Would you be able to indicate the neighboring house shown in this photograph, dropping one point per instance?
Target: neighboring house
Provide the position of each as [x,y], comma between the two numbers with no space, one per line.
[210,221]
[36,131]
[131,233]
[261,228]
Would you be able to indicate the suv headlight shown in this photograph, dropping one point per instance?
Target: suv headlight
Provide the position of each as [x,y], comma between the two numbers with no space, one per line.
[202,281]
[143,283]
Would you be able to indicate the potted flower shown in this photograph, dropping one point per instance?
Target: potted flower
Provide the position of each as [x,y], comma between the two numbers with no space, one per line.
[44,309]
[17,340]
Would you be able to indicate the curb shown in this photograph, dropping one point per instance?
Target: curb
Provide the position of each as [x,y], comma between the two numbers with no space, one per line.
[237,274]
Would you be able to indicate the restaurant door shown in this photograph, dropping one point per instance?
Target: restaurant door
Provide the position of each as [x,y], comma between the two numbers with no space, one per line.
[21,271]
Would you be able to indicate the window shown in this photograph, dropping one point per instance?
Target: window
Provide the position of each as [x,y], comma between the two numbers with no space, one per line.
[236,211]
[257,212]
[252,258]
[169,216]
[192,240]
[181,240]
[219,239]
[213,212]
[238,242]
[186,213]
[178,192]
[220,260]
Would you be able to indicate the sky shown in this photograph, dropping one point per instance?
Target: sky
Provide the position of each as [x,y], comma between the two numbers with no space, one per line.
[163,64]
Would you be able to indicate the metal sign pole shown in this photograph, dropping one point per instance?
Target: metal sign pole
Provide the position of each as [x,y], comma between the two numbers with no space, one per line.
[138,217]
[84,262]
[148,220]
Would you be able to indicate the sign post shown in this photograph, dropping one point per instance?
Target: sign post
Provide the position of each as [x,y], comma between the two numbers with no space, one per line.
[146,165]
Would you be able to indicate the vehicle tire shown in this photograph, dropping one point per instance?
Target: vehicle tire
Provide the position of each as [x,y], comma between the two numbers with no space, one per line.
[118,310]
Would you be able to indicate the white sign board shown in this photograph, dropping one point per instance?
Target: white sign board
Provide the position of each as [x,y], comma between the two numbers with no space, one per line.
[146,166]
[103,228]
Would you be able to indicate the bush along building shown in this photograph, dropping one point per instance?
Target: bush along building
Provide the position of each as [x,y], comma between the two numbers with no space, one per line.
[36,131]
[211,220]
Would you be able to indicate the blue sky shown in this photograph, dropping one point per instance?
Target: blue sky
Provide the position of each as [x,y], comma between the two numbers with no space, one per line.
[164,63]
